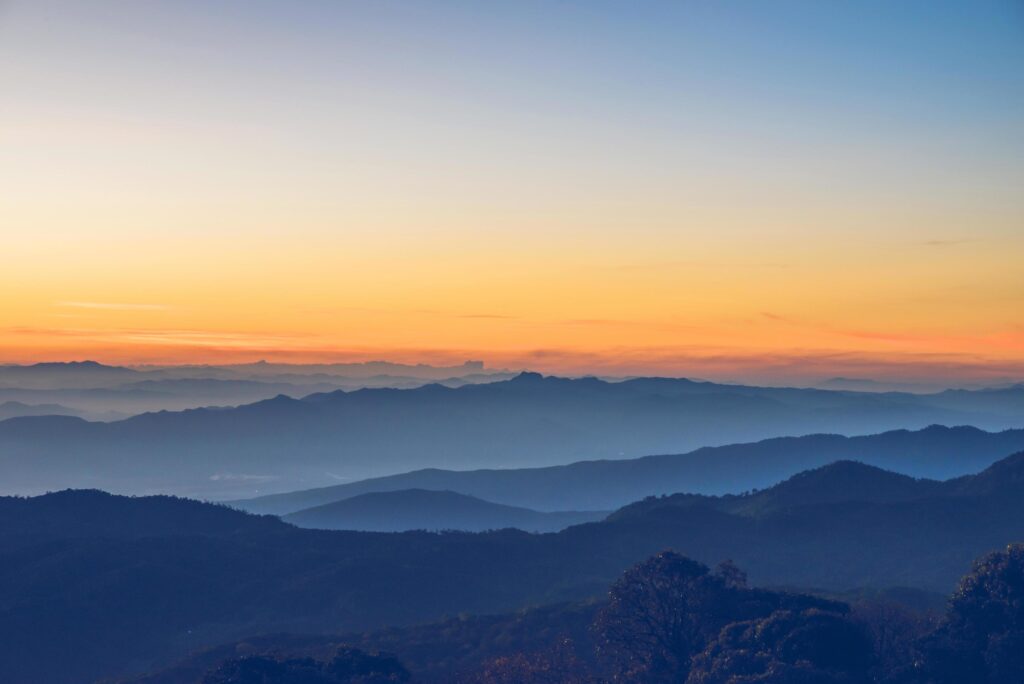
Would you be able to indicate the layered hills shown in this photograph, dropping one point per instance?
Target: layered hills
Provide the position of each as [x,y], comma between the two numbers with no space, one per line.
[127,584]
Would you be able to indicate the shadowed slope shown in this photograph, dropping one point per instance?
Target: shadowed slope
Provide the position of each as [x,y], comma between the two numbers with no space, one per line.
[421,509]
[527,421]
[936,451]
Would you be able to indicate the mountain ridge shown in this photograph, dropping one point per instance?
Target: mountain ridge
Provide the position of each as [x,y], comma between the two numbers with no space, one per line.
[432,510]
[604,484]
[528,421]
[153,592]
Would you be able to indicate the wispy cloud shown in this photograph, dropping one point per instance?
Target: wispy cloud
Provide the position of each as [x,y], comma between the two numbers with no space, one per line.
[693,263]
[113,306]
[485,315]
[947,243]
[171,337]
[776,317]
[242,477]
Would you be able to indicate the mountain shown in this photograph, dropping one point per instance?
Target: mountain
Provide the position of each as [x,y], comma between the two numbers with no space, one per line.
[839,482]
[421,509]
[16,409]
[83,513]
[936,452]
[63,375]
[362,370]
[96,585]
[435,653]
[286,443]
[99,392]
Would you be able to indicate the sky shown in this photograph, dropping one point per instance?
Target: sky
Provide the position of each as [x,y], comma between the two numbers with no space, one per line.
[730,190]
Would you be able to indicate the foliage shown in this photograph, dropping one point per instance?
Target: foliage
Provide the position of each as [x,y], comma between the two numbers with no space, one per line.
[666,610]
[559,664]
[348,666]
[982,637]
[673,619]
[786,647]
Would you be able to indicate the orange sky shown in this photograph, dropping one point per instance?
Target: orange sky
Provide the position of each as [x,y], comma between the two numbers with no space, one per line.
[329,189]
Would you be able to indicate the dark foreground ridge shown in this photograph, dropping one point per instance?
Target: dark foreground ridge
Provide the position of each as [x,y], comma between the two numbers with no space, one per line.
[667,619]
[97,585]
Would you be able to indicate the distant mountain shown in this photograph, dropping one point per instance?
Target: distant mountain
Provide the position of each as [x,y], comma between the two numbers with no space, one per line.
[937,452]
[83,513]
[421,509]
[103,586]
[869,385]
[836,483]
[76,374]
[99,392]
[285,443]
[16,409]
[1005,476]
[263,369]
[73,374]
[121,401]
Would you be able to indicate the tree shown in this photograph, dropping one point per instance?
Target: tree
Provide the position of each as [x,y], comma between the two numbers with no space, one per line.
[664,611]
[787,647]
[556,665]
[349,666]
[266,670]
[981,640]
[894,630]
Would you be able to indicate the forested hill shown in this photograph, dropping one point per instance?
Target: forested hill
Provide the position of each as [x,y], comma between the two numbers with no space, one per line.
[183,575]
[422,509]
[935,452]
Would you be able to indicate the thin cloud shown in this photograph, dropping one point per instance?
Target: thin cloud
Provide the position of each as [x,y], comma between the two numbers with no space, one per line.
[692,263]
[947,243]
[113,306]
[776,317]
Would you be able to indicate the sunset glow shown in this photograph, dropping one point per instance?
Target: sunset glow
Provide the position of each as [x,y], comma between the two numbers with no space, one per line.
[391,187]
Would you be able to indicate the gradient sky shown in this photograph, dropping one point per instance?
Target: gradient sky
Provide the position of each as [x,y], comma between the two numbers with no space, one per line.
[722,189]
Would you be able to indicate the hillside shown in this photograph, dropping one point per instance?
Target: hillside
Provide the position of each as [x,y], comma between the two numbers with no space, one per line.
[82,513]
[421,509]
[434,652]
[527,421]
[127,601]
[17,409]
[935,452]
[101,392]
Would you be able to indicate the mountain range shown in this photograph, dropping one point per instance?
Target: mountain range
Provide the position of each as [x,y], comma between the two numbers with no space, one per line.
[284,443]
[100,392]
[422,509]
[935,451]
[96,585]
[17,409]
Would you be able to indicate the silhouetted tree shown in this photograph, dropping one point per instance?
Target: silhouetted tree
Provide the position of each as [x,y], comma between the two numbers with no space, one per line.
[666,610]
[731,575]
[353,665]
[556,665]
[662,612]
[266,670]
[787,647]
[349,666]
[981,640]
[894,630]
